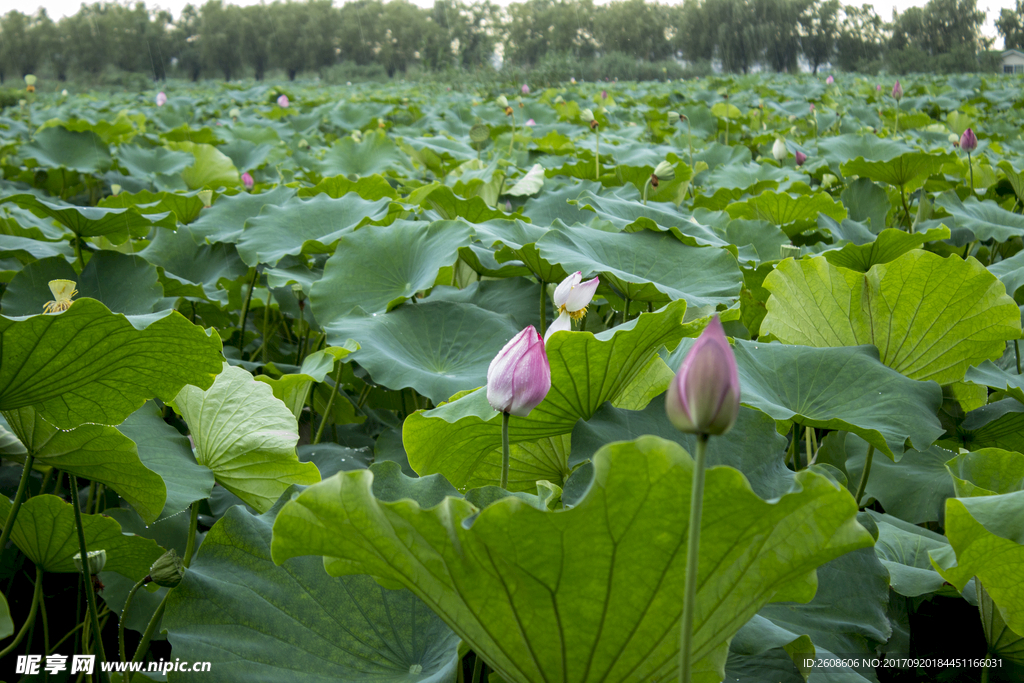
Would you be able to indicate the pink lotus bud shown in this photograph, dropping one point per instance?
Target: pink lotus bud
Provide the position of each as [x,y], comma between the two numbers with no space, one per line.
[283,102]
[525,89]
[531,122]
[704,397]
[247,180]
[161,99]
[897,91]
[878,88]
[604,94]
[508,206]
[968,141]
[812,108]
[800,158]
[519,377]
[829,80]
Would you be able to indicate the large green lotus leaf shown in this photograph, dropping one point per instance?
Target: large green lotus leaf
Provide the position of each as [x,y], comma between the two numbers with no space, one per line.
[378,267]
[587,370]
[903,548]
[516,241]
[145,163]
[1014,175]
[997,425]
[553,202]
[90,365]
[987,472]
[499,579]
[59,147]
[255,620]
[311,226]
[246,155]
[190,269]
[185,206]
[781,208]
[915,489]
[847,617]
[753,445]
[930,317]
[45,531]
[376,153]
[111,130]
[438,348]
[246,436]
[985,219]
[1010,272]
[988,374]
[446,205]
[628,214]
[350,115]
[888,246]
[117,225]
[224,221]
[28,249]
[840,388]
[293,389]
[124,283]
[97,452]
[842,148]
[164,450]
[867,202]
[212,168]
[1002,642]
[907,168]
[371,187]
[987,541]
[646,265]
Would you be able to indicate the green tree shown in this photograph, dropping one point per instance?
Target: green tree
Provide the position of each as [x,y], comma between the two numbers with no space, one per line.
[220,30]
[634,27]
[536,27]
[861,38]
[819,26]
[1010,26]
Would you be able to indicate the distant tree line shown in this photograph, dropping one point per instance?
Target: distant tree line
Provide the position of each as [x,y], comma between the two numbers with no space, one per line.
[223,40]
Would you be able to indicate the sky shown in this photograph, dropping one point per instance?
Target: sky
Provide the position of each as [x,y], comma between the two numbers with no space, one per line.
[60,8]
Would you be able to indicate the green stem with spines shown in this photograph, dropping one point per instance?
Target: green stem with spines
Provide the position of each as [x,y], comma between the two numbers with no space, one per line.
[864,475]
[124,616]
[37,595]
[245,310]
[692,557]
[90,594]
[19,498]
[505,457]
[330,404]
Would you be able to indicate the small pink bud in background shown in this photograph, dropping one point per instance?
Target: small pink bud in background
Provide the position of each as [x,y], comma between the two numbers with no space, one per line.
[704,397]
[829,80]
[897,91]
[968,141]
[800,158]
[247,180]
[283,102]
[519,377]
[878,88]
[812,108]
[604,94]
[525,89]
[531,122]
[161,99]
[508,206]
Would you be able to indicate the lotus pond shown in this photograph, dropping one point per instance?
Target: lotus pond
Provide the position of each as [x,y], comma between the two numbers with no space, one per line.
[252,325]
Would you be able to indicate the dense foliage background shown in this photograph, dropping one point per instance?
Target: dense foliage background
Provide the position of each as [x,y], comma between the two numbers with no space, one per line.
[556,39]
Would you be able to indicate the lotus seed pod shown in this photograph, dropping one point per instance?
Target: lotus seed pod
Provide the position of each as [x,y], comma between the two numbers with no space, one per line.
[206,197]
[828,180]
[502,101]
[97,560]
[115,189]
[168,570]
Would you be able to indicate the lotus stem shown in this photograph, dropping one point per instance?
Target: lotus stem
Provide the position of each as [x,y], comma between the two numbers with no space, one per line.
[543,306]
[1016,352]
[646,185]
[245,311]
[864,475]
[809,437]
[37,595]
[970,166]
[512,141]
[692,555]
[124,616]
[906,209]
[193,526]
[330,404]
[90,594]
[478,668]
[504,451]
[597,155]
[140,652]
[625,309]
[19,498]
